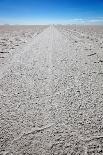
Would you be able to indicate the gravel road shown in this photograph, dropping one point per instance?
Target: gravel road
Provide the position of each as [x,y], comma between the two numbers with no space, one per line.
[51,97]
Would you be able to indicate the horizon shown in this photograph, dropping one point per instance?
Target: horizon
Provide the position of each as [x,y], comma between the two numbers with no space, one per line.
[47,12]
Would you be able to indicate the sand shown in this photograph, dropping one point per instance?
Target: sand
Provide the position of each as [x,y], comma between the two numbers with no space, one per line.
[51,90]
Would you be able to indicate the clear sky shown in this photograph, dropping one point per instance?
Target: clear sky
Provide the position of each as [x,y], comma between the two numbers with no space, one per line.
[51,11]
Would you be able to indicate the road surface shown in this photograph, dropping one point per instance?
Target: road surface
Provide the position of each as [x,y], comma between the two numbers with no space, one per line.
[51,99]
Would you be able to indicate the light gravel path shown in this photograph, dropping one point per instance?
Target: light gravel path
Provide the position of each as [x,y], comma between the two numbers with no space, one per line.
[48,99]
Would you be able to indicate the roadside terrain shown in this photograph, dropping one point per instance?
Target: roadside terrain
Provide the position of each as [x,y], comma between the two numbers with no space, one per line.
[51,90]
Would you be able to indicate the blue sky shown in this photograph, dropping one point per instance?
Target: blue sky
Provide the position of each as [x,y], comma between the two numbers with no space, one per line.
[51,11]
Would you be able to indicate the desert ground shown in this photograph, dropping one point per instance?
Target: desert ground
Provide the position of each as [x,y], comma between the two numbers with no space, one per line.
[51,90]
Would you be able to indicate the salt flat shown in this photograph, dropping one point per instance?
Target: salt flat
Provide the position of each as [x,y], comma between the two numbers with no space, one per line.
[51,90]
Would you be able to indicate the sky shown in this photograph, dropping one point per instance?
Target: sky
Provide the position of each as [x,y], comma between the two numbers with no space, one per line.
[51,11]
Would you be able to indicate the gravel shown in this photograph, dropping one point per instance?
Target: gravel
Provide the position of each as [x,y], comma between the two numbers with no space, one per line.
[51,93]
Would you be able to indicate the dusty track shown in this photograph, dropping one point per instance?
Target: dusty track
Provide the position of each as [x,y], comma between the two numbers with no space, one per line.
[51,99]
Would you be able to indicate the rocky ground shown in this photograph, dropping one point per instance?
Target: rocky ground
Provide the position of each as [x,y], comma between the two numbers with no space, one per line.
[51,91]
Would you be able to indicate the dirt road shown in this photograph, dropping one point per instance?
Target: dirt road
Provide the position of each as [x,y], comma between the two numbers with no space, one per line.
[51,98]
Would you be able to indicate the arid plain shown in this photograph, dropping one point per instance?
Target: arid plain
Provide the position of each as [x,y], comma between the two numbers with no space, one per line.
[51,90]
